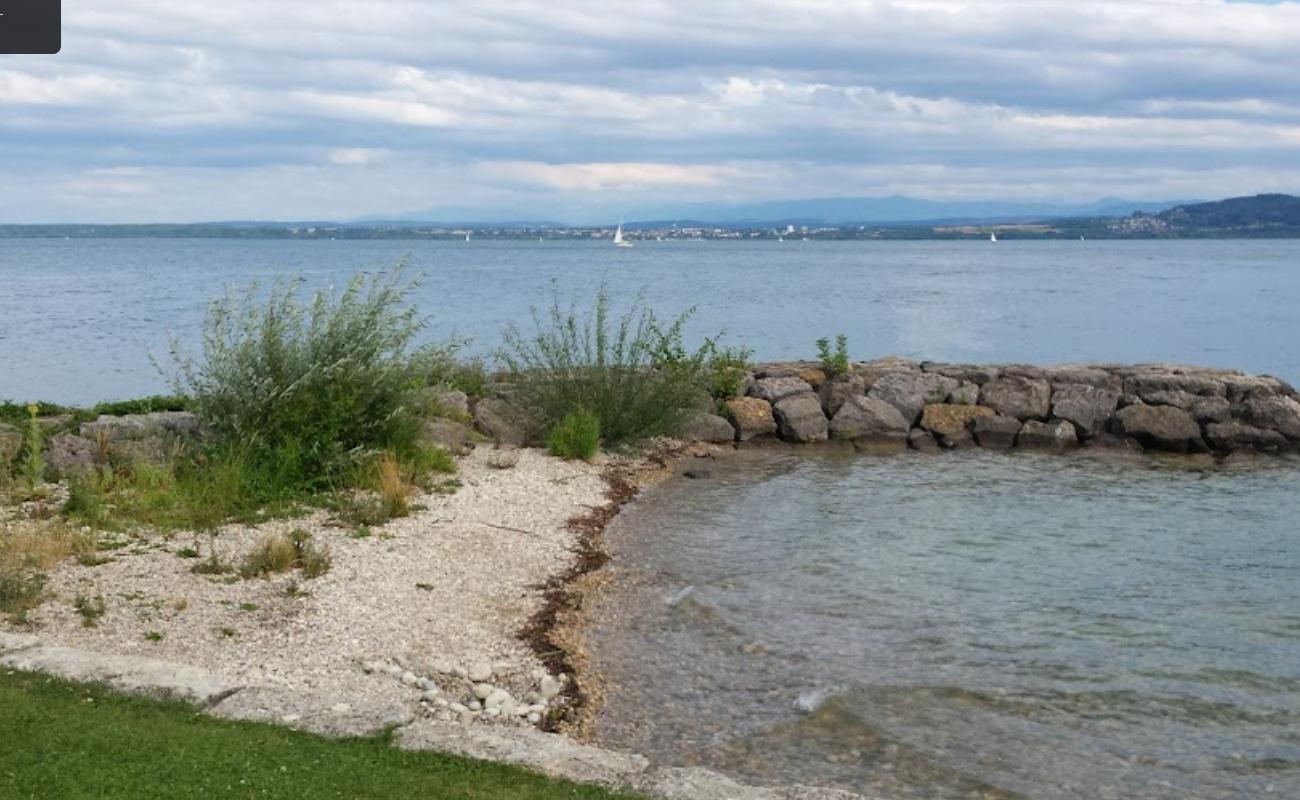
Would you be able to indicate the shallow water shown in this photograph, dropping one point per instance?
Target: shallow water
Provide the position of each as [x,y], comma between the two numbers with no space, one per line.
[965,625]
[80,318]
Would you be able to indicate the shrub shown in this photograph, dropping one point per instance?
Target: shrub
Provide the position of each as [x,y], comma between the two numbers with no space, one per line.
[392,487]
[619,371]
[33,461]
[273,555]
[725,370]
[837,362]
[441,366]
[307,389]
[575,436]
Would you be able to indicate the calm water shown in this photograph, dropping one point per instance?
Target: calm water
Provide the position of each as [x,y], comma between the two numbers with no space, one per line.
[971,625]
[79,318]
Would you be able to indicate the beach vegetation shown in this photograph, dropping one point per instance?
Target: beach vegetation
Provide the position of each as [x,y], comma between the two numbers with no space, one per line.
[834,362]
[576,436]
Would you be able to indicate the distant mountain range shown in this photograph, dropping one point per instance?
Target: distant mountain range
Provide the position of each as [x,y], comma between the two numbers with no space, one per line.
[1260,216]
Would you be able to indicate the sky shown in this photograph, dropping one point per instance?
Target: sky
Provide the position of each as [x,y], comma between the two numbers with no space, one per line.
[578,110]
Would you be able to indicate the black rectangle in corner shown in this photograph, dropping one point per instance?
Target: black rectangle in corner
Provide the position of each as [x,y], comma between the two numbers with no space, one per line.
[31,26]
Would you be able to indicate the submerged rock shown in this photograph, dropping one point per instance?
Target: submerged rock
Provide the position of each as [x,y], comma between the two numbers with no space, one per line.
[996,432]
[922,441]
[1160,428]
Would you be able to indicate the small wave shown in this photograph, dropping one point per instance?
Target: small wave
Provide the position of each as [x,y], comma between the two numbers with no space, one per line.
[674,599]
[812,699]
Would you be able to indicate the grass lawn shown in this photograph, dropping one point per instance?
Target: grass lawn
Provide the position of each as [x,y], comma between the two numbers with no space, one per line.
[65,740]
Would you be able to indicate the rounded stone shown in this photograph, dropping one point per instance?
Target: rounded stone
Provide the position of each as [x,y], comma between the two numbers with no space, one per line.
[480,672]
[534,718]
[482,690]
[410,678]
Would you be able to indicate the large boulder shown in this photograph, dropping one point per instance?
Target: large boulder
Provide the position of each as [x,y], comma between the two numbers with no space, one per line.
[1146,385]
[966,394]
[922,441]
[911,392]
[965,373]
[996,432]
[501,421]
[799,418]
[774,389]
[1275,413]
[71,455]
[700,426]
[138,427]
[1057,435]
[1083,374]
[947,421]
[11,441]
[868,418]
[1211,409]
[1160,428]
[1018,396]
[1088,407]
[835,392]
[751,417]
[448,434]
[1243,387]
[1227,437]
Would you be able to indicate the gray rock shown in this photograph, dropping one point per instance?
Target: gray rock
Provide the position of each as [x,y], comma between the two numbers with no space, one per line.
[1174,397]
[501,421]
[1160,428]
[1211,409]
[1147,384]
[323,715]
[835,392]
[1109,441]
[450,401]
[1084,374]
[868,417]
[1275,413]
[1243,387]
[1087,407]
[550,688]
[448,434]
[1058,435]
[1018,396]
[799,418]
[751,417]
[11,441]
[1227,437]
[922,441]
[480,672]
[699,426]
[775,389]
[967,394]
[70,455]
[996,432]
[138,427]
[910,393]
[130,674]
[965,373]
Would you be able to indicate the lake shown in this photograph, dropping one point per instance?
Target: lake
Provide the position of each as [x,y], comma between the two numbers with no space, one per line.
[79,319]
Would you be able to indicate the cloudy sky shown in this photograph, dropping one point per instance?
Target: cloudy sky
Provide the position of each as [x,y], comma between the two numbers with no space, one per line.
[570,109]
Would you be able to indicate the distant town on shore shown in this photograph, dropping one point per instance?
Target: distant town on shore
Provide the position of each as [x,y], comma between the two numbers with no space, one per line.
[1261,216]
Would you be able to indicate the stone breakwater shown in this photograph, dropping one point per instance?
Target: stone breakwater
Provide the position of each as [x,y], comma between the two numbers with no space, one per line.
[930,406]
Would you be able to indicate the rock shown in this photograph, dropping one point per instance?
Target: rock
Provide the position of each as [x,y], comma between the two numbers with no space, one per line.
[1022,371]
[813,376]
[137,427]
[1146,385]
[700,426]
[1058,435]
[1211,409]
[911,392]
[1085,375]
[799,418]
[863,417]
[482,690]
[1087,407]
[952,420]
[1109,441]
[534,717]
[501,421]
[70,455]
[1227,437]
[448,402]
[1018,396]
[1160,428]
[697,474]
[480,672]
[550,688]
[321,714]
[13,642]
[11,441]
[751,417]
[457,708]
[922,441]
[1243,387]
[966,373]
[131,674]
[966,394]
[410,679]
[836,392]
[775,389]
[996,432]
[448,434]
[1275,413]
[497,698]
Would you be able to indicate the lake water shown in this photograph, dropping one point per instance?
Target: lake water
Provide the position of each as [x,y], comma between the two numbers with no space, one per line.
[965,625]
[80,318]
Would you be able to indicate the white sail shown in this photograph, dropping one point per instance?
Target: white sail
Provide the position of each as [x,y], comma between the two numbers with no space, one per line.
[619,241]
[993,237]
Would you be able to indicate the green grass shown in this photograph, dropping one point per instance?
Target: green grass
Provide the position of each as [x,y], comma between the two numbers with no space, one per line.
[575,436]
[78,742]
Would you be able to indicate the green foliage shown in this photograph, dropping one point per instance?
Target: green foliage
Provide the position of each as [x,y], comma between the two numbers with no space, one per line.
[90,609]
[627,372]
[142,405]
[440,366]
[575,436]
[32,465]
[837,362]
[725,370]
[82,741]
[281,553]
[304,391]
[19,590]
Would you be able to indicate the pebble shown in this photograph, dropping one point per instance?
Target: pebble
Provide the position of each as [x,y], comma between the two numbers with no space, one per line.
[431,697]
[501,668]
[523,710]
[410,679]
[482,690]
[459,672]
[442,667]
[342,708]
[550,688]
[498,697]
[441,702]
[475,706]
[394,670]
[493,712]
[480,672]
[457,708]
[429,686]
[534,718]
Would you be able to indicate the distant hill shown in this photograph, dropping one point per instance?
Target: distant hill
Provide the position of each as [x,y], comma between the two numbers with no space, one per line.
[1261,216]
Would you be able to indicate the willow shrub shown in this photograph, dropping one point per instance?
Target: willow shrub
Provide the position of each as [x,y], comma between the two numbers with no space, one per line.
[306,391]
[629,372]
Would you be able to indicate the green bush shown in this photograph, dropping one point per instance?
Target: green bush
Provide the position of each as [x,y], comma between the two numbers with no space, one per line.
[837,362]
[725,370]
[626,372]
[575,436]
[305,391]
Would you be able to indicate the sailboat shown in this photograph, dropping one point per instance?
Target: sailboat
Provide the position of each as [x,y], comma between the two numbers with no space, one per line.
[993,237]
[619,241]
[467,236]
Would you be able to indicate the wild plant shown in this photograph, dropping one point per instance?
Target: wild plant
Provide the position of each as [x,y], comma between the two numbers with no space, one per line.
[33,463]
[575,436]
[836,362]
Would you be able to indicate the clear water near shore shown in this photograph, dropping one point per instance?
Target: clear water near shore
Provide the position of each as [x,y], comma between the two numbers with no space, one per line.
[79,318]
[966,625]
